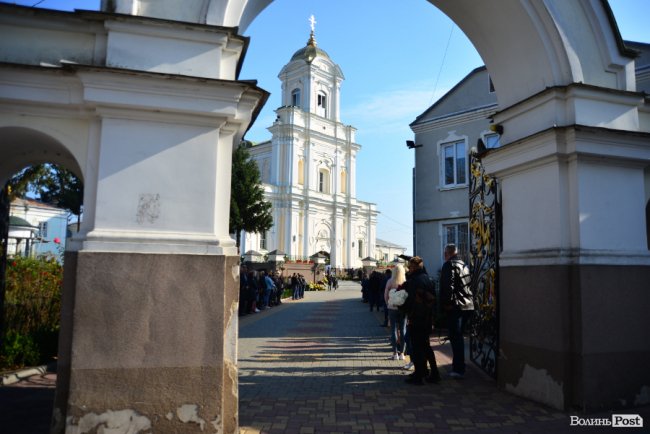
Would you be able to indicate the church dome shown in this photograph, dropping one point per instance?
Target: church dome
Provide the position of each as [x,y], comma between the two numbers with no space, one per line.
[310,51]
[302,53]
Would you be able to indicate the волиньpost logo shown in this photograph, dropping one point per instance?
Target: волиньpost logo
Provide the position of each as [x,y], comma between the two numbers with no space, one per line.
[616,421]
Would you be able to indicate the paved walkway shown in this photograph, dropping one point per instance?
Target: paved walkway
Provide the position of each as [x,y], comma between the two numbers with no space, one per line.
[321,365]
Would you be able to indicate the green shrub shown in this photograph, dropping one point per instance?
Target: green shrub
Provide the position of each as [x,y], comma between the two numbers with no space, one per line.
[32,312]
[19,350]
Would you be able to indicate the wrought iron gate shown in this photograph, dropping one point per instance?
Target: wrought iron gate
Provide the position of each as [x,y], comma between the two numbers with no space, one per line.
[484,229]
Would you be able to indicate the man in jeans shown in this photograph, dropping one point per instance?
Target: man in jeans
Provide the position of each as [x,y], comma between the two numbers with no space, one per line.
[456,297]
[268,290]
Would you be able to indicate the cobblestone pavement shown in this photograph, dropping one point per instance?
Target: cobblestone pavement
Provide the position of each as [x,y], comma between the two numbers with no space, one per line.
[321,365]
[26,406]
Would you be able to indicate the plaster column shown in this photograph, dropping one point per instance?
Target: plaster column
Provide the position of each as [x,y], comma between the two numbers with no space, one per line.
[574,328]
[149,323]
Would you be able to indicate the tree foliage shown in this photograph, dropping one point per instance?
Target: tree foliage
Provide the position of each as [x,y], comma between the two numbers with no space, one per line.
[50,184]
[249,211]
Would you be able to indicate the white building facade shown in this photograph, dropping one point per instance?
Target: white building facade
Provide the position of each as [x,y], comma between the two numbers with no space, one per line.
[447,131]
[309,169]
[385,251]
[46,233]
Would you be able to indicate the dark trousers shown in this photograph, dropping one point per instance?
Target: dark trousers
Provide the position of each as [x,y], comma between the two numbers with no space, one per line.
[243,302]
[376,299]
[458,320]
[421,351]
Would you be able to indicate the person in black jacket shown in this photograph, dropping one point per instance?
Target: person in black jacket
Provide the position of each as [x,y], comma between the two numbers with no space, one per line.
[243,290]
[457,301]
[419,311]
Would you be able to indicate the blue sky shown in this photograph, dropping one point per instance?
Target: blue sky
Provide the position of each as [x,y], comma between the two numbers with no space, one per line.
[398,58]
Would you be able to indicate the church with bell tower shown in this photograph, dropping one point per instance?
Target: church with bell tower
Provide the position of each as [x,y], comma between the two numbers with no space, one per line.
[308,169]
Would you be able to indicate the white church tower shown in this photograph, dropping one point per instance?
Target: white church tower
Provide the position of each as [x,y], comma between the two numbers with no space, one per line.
[309,168]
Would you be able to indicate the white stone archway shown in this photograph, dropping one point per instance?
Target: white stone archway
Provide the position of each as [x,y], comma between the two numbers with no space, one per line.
[155,100]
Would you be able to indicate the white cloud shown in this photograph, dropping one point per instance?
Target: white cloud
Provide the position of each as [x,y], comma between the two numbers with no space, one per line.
[391,109]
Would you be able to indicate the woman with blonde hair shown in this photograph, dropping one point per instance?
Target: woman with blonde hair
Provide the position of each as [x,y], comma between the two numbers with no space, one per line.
[397,319]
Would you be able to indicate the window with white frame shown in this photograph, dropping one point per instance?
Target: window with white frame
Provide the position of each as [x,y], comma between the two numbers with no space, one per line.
[323,181]
[360,248]
[263,239]
[295,97]
[492,140]
[321,104]
[454,164]
[458,234]
[42,229]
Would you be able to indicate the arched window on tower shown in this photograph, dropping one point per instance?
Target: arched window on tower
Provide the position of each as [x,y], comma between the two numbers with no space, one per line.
[323,181]
[301,172]
[295,97]
[344,182]
[321,104]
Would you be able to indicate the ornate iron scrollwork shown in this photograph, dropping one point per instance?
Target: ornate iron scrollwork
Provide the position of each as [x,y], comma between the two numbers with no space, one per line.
[484,265]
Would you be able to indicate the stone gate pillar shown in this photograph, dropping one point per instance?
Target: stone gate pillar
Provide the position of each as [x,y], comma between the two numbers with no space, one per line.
[575,264]
[149,326]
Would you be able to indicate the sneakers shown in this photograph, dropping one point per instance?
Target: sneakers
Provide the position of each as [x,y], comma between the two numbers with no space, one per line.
[408,366]
[456,375]
[400,356]
[257,310]
[395,357]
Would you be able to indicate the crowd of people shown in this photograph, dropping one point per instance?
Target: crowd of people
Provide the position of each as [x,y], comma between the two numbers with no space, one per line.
[260,290]
[411,314]
[407,297]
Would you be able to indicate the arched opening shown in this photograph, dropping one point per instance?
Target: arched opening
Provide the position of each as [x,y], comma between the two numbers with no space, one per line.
[551,52]
[23,146]
[42,202]
[295,98]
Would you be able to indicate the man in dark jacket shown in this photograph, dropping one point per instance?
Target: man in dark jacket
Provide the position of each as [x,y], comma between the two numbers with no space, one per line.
[457,301]
[419,310]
